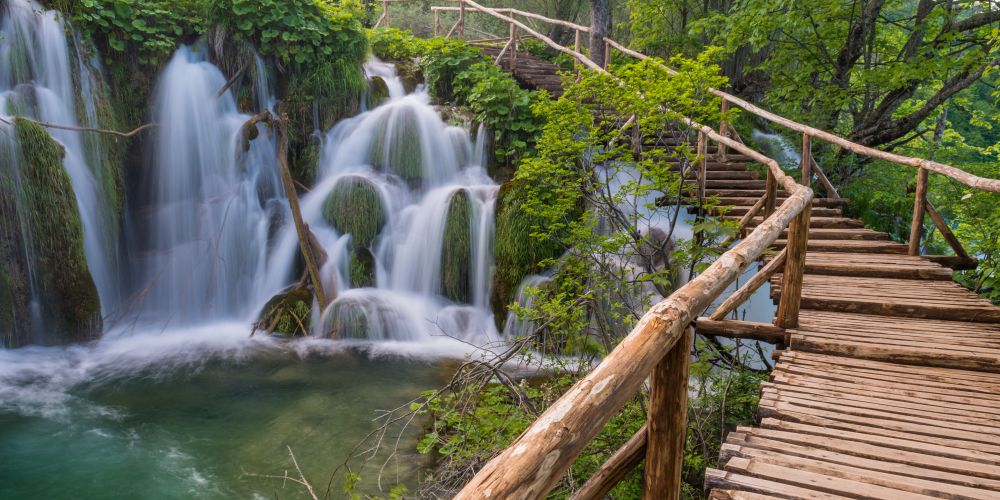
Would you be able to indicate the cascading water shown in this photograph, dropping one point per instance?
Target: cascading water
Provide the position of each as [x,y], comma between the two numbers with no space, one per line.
[37,70]
[404,209]
[212,197]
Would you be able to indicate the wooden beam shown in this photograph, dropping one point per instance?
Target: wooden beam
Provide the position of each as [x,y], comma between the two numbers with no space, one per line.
[724,131]
[667,422]
[806,160]
[740,330]
[831,191]
[615,469]
[751,286]
[770,194]
[702,166]
[946,233]
[795,263]
[954,262]
[919,203]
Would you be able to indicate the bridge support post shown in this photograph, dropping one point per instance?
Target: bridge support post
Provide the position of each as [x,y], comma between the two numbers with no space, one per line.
[791,277]
[723,131]
[437,23]
[461,20]
[667,422]
[770,194]
[806,160]
[919,206]
[702,168]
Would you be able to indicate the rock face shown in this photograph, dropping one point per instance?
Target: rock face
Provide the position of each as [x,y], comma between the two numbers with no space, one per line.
[456,250]
[48,295]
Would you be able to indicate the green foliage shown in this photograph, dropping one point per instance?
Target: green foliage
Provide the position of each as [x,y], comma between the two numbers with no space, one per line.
[391,44]
[443,60]
[354,207]
[304,33]
[151,29]
[362,268]
[456,251]
[503,107]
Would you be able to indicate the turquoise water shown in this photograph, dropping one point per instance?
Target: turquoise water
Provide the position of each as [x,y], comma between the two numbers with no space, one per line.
[175,417]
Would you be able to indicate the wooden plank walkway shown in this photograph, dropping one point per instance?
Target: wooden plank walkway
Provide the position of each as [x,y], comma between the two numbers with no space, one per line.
[890,386]
[530,71]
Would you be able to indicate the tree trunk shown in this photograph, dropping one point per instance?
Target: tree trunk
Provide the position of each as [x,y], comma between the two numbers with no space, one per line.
[600,26]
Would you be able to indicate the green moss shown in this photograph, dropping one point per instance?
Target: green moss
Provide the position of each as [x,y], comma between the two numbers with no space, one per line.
[289,312]
[517,252]
[378,92]
[68,294]
[362,268]
[355,207]
[456,253]
[397,147]
[7,308]
[345,319]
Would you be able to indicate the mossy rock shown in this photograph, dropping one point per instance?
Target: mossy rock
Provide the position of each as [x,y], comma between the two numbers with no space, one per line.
[378,92]
[362,268]
[69,299]
[290,312]
[345,319]
[355,207]
[396,147]
[517,252]
[456,252]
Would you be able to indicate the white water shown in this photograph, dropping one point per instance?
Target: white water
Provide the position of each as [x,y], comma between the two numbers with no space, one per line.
[37,67]
[203,238]
[417,165]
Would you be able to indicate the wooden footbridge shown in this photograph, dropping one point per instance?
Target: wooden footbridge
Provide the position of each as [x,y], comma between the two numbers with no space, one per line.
[887,383]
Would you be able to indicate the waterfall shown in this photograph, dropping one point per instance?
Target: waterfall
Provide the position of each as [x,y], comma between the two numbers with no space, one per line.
[211,198]
[404,209]
[37,70]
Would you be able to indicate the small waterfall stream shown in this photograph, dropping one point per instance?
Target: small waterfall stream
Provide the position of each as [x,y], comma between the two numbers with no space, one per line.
[204,231]
[404,208]
[38,62]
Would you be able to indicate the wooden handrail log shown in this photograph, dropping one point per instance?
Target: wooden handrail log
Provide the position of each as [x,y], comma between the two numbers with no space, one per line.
[734,329]
[540,456]
[544,39]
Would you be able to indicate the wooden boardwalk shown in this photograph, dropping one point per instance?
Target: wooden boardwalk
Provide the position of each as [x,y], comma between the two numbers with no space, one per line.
[889,386]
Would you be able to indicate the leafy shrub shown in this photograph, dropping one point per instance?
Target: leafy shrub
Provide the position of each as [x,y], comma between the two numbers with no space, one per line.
[150,28]
[392,44]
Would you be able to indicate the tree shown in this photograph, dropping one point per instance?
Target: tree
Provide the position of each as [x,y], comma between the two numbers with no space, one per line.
[600,26]
[874,70]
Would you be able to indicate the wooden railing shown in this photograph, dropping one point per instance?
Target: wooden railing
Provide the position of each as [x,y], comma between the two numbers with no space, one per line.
[658,347]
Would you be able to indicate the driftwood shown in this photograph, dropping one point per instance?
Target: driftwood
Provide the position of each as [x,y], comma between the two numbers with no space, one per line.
[84,129]
[311,253]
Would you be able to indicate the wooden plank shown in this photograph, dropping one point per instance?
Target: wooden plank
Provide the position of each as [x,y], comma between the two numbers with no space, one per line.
[747,439]
[878,478]
[718,479]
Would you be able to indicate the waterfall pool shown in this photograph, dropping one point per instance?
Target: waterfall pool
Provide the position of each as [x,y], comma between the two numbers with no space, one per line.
[171,416]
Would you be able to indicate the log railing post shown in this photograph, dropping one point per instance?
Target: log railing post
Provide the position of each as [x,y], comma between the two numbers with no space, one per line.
[702,166]
[513,46]
[723,131]
[806,160]
[461,20]
[437,23]
[919,206]
[666,423]
[385,12]
[607,56]
[791,277]
[770,194]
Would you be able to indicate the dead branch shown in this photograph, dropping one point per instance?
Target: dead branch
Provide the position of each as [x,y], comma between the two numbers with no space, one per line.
[84,129]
